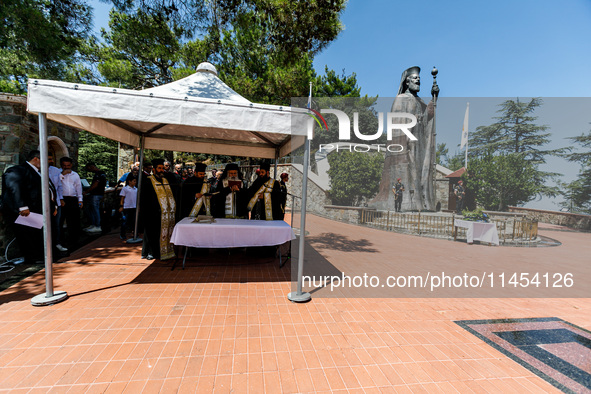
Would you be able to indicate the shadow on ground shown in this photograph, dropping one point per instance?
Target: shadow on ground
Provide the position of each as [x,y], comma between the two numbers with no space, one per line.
[341,243]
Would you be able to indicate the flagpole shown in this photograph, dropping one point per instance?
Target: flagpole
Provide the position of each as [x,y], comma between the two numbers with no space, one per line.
[465,134]
[466,158]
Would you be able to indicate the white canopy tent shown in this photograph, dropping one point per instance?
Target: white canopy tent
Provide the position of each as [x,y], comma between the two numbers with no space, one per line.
[199,113]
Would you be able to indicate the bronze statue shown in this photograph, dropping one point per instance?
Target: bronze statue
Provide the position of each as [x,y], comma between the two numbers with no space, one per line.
[416,163]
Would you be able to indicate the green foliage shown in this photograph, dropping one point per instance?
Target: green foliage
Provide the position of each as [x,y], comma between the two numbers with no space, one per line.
[333,85]
[40,39]
[367,120]
[499,181]
[263,49]
[514,132]
[100,151]
[292,28]
[578,192]
[504,158]
[456,162]
[441,154]
[139,51]
[334,91]
[249,64]
[354,176]
[476,215]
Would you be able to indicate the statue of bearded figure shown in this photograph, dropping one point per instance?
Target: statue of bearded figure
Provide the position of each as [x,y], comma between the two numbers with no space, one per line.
[415,164]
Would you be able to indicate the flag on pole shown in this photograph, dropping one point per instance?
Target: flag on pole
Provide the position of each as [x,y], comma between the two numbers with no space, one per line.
[465,128]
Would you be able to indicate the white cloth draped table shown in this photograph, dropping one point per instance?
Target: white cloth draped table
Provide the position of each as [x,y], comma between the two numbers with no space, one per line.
[231,233]
[479,231]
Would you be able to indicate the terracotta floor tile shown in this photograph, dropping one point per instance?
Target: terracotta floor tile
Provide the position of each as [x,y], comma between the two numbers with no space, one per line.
[116,388]
[271,381]
[319,380]
[255,382]
[154,349]
[124,352]
[209,366]
[192,367]
[225,365]
[91,373]
[144,369]
[255,363]
[288,382]
[188,385]
[108,352]
[96,388]
[222,384]
[170,349]
[127,371]
[135,386]
[240,383]
[33,378]
[222,327]
[349,378]
[377,376]
[152,386]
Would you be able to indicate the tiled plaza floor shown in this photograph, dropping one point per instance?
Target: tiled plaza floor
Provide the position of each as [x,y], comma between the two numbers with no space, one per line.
[224,324]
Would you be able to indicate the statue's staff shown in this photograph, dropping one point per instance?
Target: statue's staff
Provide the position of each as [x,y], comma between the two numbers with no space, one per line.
[435,88]
[434,95]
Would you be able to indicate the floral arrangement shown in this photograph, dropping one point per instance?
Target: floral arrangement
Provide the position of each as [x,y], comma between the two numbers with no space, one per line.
[475,216]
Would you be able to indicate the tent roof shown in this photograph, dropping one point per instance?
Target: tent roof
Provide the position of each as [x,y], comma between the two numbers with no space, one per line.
[202,84]
[199,113]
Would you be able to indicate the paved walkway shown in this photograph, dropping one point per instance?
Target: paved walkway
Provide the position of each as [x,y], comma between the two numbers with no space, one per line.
[225,325]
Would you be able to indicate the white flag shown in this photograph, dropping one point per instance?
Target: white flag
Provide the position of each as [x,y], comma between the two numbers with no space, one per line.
[465,128]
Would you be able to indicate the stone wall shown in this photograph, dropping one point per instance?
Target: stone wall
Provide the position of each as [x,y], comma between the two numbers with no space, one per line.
[19,134]
[442,193]
[344,214]
[572,220]
[126,158]
[317,196]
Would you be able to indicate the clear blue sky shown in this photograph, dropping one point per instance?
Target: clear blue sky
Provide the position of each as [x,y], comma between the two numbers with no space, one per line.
[496,48]
[483,49]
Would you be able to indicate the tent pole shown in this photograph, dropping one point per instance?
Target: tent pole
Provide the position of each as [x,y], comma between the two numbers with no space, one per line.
[135,238]
[49,297]
[300,296]
[276,160]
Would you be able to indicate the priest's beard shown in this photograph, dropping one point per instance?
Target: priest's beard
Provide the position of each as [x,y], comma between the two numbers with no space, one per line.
[414,87]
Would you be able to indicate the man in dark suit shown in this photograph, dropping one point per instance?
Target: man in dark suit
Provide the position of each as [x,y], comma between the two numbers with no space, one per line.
[21,188]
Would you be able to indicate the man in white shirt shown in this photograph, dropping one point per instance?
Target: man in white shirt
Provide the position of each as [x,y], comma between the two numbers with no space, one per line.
[71,203]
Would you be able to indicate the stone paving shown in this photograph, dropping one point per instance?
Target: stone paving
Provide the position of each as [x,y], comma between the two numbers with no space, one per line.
[224,324]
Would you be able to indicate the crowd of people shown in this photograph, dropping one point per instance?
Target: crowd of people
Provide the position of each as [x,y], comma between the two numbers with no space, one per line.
[168,195]
[22,195]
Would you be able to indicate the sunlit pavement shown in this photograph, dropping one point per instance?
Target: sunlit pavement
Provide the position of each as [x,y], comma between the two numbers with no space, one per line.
[225,324]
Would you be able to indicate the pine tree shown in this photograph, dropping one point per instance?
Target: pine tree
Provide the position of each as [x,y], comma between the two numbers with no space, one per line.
[578,192]
[514,140]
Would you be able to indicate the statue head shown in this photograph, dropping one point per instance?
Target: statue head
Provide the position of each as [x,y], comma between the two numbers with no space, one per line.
[410,80]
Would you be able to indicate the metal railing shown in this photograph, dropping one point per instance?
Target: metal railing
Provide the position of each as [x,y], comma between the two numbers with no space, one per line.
[510,229]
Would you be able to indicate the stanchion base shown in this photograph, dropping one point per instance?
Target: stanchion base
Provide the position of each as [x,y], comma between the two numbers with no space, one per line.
[43,300]
[134,240]
[295,297]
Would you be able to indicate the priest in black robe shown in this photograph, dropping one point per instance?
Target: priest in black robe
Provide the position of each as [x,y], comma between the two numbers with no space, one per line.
[157,208]
[265,197]
[195,195]
[228,198]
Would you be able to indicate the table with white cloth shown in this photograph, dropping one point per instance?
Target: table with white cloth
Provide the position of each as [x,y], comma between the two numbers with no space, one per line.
[479,231]
[231,233]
